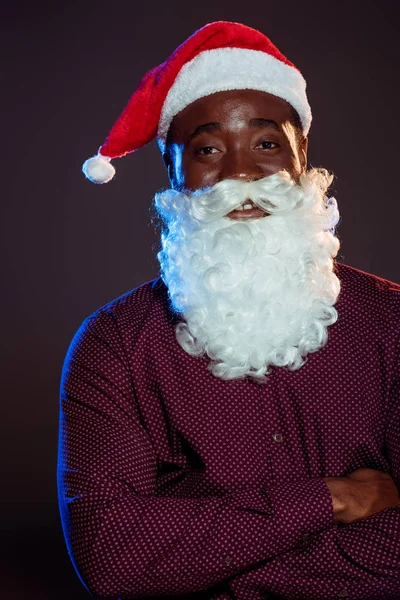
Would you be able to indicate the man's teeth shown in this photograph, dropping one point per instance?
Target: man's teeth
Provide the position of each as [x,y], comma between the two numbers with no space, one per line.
[246,206]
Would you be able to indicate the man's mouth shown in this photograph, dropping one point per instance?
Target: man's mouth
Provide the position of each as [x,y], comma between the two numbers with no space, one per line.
[247,210]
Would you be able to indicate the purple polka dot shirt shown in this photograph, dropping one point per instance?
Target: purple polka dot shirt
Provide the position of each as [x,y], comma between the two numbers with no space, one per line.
[174,483]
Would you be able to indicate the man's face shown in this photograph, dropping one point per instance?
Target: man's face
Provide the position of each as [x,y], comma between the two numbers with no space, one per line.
[251,292]
[237,134]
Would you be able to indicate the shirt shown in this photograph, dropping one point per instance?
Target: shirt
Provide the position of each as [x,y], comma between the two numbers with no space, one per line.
[178,484]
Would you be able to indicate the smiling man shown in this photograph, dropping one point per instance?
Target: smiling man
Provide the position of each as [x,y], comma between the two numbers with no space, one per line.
[232,273]
[231,429]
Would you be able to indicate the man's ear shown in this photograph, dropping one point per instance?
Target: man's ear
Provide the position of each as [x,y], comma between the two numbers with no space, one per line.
[303,148]
[167,160]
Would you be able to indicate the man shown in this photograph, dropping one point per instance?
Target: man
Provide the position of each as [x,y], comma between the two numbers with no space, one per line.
[231,429]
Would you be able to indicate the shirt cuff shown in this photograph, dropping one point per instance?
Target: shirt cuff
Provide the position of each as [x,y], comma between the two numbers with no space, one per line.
[300,508]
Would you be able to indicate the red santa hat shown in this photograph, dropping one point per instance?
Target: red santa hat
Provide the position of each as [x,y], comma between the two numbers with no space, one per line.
[219,56]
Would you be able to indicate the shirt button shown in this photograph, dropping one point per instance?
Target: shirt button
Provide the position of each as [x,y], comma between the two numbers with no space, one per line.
[343,593]
[228,560]
[277,437]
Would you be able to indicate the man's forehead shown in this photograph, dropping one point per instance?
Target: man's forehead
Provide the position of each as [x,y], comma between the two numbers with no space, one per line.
[237,124]
[233,109]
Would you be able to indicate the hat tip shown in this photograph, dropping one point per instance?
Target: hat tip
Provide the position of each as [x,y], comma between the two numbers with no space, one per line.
[98,169]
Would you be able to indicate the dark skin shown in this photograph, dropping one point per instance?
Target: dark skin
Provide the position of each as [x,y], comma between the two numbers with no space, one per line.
[248,134]
[236,134]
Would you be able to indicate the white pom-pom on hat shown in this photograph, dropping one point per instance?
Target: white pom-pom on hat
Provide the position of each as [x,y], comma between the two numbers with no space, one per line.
[98,168]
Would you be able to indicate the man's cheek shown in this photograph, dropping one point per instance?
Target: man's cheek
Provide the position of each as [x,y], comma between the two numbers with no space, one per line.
[197,176]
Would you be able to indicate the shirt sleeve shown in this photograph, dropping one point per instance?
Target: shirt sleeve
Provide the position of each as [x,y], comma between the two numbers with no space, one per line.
[358,560]
[126,540]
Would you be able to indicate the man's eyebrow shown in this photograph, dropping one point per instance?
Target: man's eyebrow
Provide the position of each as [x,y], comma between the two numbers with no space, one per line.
[262,123]
[208,127]
[213,126]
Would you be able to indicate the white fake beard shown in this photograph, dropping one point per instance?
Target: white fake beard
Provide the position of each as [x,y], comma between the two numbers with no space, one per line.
[257,293]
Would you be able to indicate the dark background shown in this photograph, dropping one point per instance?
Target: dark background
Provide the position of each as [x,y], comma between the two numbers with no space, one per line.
[71,246]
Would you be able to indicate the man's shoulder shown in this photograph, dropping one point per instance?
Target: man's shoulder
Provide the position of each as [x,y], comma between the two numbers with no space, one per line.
[364,280]
[368,291]
[132,309]
[105,337]
[144,295]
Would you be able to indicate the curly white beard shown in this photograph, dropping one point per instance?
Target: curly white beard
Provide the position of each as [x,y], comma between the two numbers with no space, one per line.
[253,293]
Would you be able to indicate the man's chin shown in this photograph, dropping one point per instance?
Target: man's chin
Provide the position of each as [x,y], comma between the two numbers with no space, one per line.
[251,297]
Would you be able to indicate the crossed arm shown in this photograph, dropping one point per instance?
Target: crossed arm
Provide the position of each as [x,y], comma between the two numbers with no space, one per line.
[358,560]
[127,542]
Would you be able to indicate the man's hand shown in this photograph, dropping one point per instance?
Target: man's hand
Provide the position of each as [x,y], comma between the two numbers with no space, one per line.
[361,494]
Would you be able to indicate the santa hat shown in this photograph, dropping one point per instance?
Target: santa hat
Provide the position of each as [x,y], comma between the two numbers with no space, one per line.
[219,56]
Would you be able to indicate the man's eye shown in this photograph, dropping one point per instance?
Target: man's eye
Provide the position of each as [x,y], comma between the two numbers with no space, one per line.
[267,145]
[207,150]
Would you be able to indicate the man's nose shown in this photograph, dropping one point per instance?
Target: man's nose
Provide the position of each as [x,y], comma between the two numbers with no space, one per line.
[238,165]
